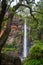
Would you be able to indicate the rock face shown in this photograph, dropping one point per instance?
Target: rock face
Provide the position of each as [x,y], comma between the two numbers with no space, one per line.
[9,60]
[17,61]
[15,37]
[16,27]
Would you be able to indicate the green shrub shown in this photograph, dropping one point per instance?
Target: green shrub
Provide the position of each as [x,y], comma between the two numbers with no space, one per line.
[38,42]
[33,62]
[36,51]
[35,56]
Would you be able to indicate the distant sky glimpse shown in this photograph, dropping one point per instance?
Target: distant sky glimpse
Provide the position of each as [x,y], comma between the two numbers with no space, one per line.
[14,3]
[36,1]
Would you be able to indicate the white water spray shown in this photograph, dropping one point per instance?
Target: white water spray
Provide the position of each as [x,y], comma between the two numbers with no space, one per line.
[25,40]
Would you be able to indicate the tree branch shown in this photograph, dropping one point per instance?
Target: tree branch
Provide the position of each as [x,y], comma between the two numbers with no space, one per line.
[30,12]
[16,6]
[5,34]
[38,12]
[30,1]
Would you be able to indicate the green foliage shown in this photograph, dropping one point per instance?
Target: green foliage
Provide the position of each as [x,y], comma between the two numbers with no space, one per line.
[33,62]
[38,42]
[36,52]
[35,56]
[8,48]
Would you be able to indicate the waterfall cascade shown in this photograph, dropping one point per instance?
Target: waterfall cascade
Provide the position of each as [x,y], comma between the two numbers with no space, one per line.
[25,40]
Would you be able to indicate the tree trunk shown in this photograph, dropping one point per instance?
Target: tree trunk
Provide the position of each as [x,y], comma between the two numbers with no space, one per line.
[4,36]
[3,11]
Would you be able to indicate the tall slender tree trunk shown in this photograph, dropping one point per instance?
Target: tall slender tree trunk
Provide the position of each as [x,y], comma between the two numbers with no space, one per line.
[4,36]
[3,11]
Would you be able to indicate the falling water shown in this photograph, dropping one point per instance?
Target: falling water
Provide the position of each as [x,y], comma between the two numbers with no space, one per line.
[25,41]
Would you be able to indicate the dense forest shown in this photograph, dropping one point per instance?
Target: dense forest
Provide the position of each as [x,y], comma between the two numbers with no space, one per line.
[21,26]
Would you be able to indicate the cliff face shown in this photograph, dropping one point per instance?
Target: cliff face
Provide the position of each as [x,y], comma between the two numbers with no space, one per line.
[14,41]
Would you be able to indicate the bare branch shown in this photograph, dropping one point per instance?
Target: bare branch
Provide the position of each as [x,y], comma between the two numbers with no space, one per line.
[38,12]
[25,6]
[36,4]
[16,6]
[31,13]
[29,2]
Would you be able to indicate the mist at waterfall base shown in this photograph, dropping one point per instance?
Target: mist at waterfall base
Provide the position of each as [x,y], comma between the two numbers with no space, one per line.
[25,41]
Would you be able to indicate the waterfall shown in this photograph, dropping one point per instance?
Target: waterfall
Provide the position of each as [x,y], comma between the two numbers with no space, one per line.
[25,40]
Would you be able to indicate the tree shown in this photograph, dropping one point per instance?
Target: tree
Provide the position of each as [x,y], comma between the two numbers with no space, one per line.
[40,17]
[5,6]
[3,10]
